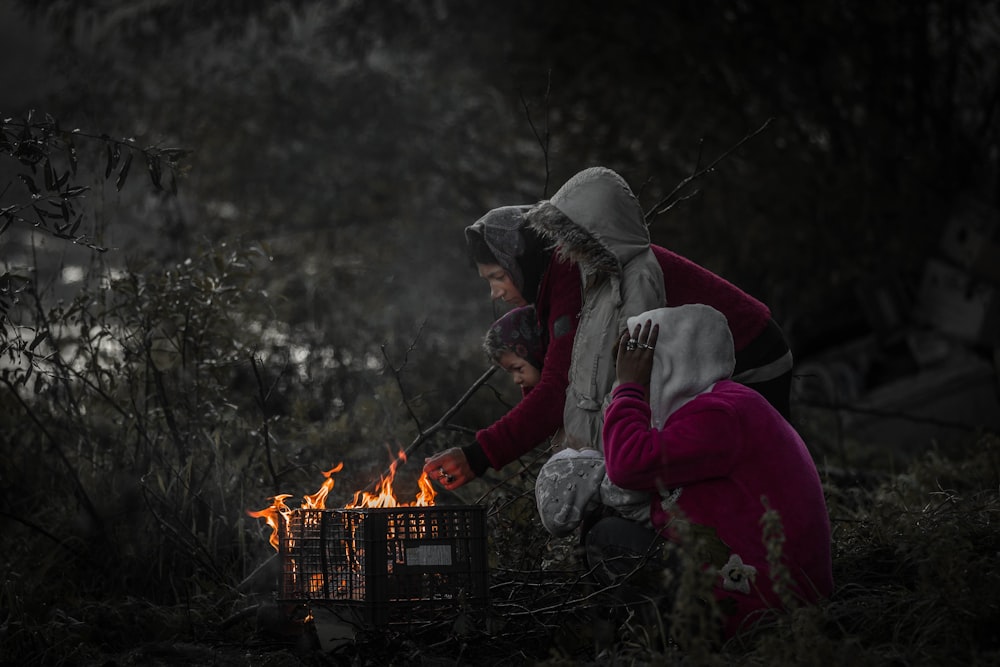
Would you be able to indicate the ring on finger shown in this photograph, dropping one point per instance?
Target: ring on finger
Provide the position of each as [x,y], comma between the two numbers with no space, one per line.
[645,346]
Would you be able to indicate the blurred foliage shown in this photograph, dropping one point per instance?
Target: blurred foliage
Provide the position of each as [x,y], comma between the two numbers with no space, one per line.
[314,121]
[278,189]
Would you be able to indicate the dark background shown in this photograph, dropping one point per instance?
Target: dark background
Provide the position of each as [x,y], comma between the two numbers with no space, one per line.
[351,126]
[304,297]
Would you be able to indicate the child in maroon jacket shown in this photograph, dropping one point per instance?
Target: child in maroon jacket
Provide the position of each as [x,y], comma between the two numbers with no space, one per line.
[716,456]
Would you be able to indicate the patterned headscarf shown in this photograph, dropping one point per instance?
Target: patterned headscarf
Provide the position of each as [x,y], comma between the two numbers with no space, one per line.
[518,332]
[573,482]
[502,230]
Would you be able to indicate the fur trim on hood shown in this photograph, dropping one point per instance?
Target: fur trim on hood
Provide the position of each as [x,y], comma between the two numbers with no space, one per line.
[694,350]
[595,221]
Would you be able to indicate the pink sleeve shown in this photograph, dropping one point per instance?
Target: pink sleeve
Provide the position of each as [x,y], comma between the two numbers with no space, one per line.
[699,441]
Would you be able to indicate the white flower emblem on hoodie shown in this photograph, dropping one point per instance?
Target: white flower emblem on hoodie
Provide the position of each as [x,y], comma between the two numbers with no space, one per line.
[737,575]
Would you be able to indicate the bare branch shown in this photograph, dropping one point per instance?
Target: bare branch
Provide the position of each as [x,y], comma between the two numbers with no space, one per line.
[425,434]
[397,371]
[544,138]
[81,492]
[459,429]
[671,199]
[262,396]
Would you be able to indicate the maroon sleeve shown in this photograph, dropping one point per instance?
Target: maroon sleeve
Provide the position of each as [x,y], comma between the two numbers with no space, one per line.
[539,414]
[686,282]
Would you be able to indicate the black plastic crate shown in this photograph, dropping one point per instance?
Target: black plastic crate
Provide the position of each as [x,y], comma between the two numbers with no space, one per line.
[399,564]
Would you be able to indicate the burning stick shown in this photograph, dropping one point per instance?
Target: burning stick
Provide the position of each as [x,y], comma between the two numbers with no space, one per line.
[441,423]
[381,493]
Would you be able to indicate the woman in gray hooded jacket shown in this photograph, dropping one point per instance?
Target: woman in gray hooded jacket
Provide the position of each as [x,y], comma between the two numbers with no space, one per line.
[595,221]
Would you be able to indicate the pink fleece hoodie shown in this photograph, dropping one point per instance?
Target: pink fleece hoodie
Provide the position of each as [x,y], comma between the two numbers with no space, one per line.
[711,450]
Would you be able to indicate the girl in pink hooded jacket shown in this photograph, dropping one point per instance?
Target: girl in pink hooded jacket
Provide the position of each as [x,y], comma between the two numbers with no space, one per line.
[715,455]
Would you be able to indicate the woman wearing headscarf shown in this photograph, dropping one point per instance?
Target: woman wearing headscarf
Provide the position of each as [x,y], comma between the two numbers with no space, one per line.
[520,270]
[584,259]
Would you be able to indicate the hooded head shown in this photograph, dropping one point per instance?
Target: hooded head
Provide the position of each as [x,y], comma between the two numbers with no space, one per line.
[694,350]
[567,488]
[516,331]
[573,482]
[503,237]
[595,220]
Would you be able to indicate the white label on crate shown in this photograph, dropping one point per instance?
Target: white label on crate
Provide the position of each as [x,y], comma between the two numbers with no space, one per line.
[429,554]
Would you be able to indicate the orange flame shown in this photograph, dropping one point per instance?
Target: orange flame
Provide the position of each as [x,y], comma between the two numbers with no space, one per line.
[317,501]
[277,515]
[427,493]
[384,496]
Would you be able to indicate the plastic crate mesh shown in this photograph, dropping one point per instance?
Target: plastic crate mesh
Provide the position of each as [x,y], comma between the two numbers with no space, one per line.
[386,560]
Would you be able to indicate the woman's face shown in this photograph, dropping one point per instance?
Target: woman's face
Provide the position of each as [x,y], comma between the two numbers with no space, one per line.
[501,284]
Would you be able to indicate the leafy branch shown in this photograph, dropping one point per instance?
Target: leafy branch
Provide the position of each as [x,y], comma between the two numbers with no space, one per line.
[50,160]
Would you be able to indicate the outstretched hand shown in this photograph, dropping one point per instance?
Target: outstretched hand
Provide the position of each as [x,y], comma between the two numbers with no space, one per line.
[449,468]
[635,354]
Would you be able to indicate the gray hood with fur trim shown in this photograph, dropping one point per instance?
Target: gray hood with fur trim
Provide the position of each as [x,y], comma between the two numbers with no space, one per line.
[596,221]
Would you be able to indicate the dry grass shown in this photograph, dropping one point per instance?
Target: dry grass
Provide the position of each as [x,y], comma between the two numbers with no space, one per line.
[916,560]
[916,566]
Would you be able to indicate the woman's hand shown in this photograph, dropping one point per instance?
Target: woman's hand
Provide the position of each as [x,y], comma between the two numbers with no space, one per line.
[635,354]
[449,468]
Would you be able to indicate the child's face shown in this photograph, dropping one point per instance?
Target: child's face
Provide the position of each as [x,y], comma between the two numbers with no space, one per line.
[524,374]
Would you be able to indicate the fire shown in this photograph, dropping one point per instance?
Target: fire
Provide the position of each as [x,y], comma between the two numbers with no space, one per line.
[276,516]
[384,496]
[318,499]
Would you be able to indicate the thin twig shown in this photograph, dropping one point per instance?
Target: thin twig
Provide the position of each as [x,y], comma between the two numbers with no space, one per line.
[440,424]
[397,371]
[662,206]
[545,138]
[457,428]
[81,492]
[193,546]
[60,541]
[262,396]
[525,467]
[835,406]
